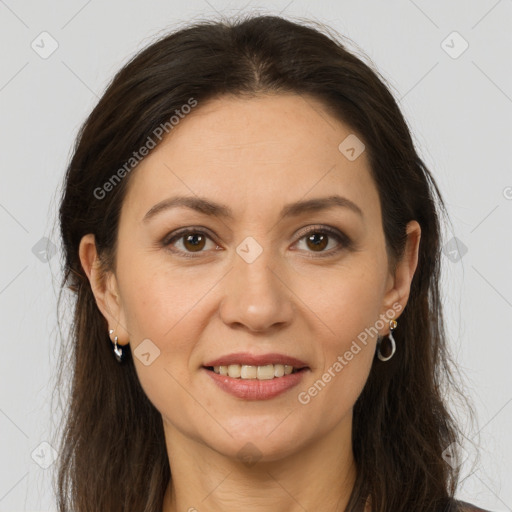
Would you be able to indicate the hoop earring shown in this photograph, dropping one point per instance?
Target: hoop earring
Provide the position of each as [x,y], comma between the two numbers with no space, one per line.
[118,351]
[392,327]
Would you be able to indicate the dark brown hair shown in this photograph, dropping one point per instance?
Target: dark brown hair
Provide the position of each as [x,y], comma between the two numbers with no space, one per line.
[113,456]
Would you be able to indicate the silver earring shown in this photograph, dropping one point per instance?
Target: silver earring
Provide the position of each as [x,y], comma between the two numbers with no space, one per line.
[392,327]
[118,351]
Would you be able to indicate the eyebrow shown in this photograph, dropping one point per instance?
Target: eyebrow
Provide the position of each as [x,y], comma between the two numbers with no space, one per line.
[208,207]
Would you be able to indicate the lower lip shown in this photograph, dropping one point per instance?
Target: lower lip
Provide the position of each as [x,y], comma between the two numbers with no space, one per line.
[254,389]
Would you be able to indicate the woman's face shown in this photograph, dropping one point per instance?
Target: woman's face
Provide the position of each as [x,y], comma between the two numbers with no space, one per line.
[256,276]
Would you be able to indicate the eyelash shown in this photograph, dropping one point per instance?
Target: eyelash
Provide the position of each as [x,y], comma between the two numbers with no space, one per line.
[340,237]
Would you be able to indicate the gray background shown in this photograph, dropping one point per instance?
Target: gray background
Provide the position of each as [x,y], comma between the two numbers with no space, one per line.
[458,107]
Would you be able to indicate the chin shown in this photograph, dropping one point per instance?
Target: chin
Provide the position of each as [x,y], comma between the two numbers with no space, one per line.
[260,439]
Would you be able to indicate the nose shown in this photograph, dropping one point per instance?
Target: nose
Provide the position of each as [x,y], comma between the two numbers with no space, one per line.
[257,296]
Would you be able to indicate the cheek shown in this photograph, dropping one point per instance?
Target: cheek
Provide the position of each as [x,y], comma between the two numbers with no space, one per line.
[158,298]
[347,306]
[346,300]
[164,308]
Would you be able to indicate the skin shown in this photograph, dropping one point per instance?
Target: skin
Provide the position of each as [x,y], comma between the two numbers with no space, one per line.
[253,155]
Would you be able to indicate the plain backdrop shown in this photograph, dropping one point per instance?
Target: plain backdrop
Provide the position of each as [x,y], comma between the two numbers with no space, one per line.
[449,66]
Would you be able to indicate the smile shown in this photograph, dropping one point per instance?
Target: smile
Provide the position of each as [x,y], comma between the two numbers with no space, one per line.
[265,372]
[251,387]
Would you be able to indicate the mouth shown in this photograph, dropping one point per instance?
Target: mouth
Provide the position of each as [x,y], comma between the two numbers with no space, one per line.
[256,382]
[249,366]
[251,376]
[255,372]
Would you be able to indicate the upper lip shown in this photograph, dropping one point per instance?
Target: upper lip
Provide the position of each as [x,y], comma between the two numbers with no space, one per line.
[245,358]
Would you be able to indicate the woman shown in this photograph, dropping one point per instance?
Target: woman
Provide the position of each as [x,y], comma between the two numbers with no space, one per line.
[254,245]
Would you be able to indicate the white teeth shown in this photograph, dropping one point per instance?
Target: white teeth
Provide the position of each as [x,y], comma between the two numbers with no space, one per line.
[248,372]
[234,371]
[266,372]
[278,370]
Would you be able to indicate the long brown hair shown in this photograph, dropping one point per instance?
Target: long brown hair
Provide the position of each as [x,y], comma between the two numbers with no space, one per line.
[113,455]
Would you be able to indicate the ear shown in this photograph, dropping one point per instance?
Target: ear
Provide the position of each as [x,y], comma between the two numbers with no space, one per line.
[104,287]
[399,284]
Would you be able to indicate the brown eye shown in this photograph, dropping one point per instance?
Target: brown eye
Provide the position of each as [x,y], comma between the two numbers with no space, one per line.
[317,241]
[188,242]
[194,242]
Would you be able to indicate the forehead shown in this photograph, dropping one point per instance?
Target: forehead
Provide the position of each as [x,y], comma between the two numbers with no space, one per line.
[264,150]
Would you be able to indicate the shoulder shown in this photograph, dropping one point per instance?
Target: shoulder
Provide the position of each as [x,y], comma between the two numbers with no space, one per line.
[463,506]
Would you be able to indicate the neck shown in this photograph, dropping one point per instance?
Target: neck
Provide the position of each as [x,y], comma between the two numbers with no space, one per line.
[320,476]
